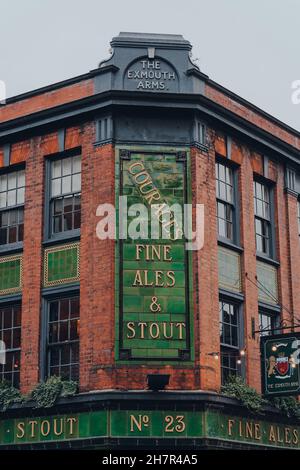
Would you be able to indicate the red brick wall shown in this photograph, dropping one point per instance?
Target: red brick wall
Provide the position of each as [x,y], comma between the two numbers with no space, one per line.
[206,272]
[252,116]
[32,265]
[250,308]
[98,369]
[46,100]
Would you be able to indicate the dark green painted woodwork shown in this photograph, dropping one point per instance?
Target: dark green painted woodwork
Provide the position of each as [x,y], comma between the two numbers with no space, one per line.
[280,364]
[160,338]
[165,424]
[61,264]
[10,274]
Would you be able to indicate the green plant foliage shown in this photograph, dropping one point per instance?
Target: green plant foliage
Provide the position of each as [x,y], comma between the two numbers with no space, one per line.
[9,395]
[47,393]
[69,388]
[288,405]
[248,396]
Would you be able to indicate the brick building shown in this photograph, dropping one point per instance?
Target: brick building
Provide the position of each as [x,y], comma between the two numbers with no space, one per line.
[70,303]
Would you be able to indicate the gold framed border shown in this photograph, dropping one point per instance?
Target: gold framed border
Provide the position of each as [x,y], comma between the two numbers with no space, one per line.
[6,259]
[56,249]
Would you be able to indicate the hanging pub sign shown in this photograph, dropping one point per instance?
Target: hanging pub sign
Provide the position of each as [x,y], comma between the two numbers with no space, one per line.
[280,364]
[154,270]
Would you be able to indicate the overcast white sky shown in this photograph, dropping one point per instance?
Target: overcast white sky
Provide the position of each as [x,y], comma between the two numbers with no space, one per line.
[251,47]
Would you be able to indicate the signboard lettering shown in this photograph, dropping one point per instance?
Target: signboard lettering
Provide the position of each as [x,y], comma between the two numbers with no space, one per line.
[154,74]
[154,301]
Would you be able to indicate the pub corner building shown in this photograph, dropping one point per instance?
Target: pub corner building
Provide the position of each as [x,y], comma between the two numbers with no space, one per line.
[148,329]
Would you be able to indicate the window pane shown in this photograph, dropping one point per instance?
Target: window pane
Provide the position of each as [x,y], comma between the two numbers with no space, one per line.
[73,330]
[74,305]
[53,332]
[222,190]
[17,315]
[64,309]
[4,219]
[20,196]
[21,178]
[64,331]
[64,357]
[66,166]
[12,180]
[21,233]
[16,338]
[3,183]
[12,235]
[77,164]
[53,311]
[66,184]
[221,210]
[68,204]
[77,202]
[10,333]
[3,236]
[12,198]
[229,324]
[258,227]
[68,219]
[222,228]
[57,224]
[58,206]
[221,172]
[3,200]
[54,356]
[56,187]
[76,182]
[259,243]
[56,169]
[77,220]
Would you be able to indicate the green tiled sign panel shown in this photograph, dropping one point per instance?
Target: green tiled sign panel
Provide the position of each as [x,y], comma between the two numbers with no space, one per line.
[147,424]
[54,428]
[280,368]
[153,317]
[267,283]
[156,424]
[229,269]
[61,264]
[10,274]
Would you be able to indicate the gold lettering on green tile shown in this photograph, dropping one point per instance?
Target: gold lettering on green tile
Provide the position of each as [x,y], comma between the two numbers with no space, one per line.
[154,280]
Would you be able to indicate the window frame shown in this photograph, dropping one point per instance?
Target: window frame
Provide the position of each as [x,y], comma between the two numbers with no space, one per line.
[275,316]
[51,294]
[271,255]
[11,301]
[234,205]
[15,246]
[238,305]
[68,234]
